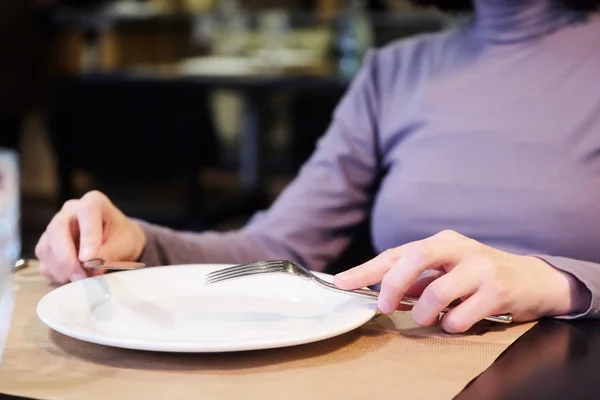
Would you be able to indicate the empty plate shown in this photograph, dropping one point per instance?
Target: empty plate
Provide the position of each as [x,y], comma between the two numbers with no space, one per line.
[171,309]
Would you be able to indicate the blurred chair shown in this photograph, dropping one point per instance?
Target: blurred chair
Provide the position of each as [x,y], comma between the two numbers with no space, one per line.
[142,143]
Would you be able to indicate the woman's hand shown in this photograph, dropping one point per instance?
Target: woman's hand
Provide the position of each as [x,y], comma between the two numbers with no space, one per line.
[487,280]
[84,229]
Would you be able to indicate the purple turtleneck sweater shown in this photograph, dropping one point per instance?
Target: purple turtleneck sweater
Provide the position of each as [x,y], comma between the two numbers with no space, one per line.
[491,129]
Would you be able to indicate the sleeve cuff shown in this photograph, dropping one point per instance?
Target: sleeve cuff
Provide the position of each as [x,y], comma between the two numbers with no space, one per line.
[588,273]
[151,256]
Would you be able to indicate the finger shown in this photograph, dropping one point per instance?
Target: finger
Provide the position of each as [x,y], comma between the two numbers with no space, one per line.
[100,271]
[41,246]
[42,254]
[417,288]
[369,273]
[469,312]
[61,254]
[417,257]
[69,211]
[45,272]
[89,216]
[373,271]
[50,269]
[424,280]
[462,281]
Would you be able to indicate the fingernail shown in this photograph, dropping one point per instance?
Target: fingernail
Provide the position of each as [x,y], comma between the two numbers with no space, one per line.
[77,276]
[342,276]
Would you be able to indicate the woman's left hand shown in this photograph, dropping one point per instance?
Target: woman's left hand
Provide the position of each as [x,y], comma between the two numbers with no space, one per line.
[487,280]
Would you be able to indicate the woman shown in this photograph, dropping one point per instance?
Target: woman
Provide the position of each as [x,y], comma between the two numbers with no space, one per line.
[474,152]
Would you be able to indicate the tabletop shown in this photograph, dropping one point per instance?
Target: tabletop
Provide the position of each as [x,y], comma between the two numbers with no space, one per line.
[387,357]
[554,360]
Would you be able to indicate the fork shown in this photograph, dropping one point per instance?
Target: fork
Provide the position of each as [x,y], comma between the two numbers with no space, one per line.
[284,266]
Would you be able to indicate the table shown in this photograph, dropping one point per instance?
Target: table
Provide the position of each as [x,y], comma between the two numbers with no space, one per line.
[554,360]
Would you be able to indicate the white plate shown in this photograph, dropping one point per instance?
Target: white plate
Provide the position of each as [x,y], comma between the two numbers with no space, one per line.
[170,309]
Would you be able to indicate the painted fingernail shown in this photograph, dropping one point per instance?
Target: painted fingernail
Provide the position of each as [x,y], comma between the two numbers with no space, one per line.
[77,276]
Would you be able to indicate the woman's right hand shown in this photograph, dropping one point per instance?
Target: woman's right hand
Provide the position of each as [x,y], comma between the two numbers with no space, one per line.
[91,227]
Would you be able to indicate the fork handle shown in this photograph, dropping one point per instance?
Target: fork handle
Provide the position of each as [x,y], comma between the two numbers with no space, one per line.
[411,301]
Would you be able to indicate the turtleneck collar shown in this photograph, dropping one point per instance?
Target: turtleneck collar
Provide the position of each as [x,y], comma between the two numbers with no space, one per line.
[510,21]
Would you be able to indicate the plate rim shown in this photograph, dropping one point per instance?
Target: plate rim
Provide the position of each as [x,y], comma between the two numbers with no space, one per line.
[182,346]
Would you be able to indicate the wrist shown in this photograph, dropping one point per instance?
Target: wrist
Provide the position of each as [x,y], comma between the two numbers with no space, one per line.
[565,294]
[579,296]
[140,239]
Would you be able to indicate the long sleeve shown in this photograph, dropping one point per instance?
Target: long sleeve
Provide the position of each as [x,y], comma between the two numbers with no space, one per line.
[588,273]
[314,218]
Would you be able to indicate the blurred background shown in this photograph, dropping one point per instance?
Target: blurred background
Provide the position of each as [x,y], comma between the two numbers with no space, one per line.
[188,113]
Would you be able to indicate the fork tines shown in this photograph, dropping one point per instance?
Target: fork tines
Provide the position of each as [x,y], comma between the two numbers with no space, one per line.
[238,271]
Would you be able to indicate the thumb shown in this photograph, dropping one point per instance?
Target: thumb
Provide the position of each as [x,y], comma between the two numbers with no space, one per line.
[106,253]
[91,226]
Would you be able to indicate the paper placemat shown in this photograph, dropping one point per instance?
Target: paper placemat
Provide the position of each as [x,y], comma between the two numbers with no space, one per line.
[388,358]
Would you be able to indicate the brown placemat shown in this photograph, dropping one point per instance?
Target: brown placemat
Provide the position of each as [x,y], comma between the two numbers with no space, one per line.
[386,358]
